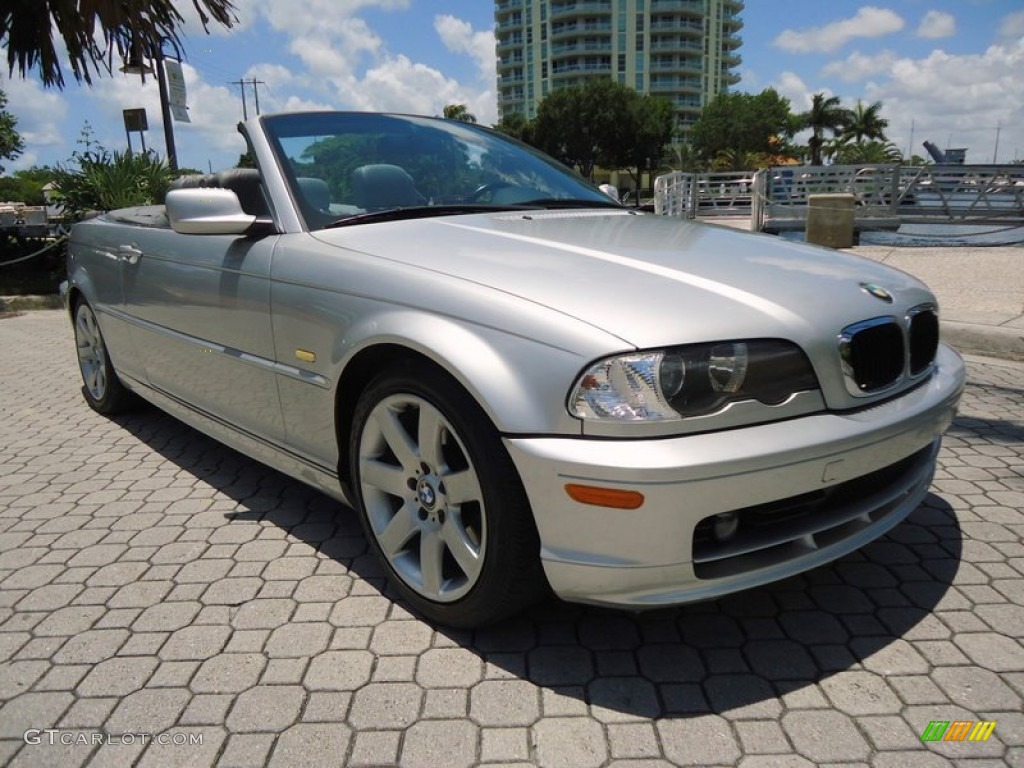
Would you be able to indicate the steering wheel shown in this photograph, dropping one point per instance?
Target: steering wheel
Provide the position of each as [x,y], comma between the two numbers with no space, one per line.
[483,189]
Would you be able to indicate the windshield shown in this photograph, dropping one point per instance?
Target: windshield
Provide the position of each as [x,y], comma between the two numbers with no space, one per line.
[349,166]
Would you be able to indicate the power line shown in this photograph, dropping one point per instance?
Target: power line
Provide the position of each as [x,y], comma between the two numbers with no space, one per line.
[241,83]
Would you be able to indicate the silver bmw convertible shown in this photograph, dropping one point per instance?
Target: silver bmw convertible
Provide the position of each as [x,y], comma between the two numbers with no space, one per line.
[517,383]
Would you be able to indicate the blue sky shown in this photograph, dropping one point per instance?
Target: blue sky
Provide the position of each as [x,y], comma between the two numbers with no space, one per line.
[948,70]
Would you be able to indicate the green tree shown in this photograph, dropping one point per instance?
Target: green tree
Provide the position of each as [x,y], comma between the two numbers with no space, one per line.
[516,126]
[246,160]
[826,114]
[865,123]
[26,186]
[11,144]
[584,125]
[653,119]
[93,31]
[743,123]
[459,112]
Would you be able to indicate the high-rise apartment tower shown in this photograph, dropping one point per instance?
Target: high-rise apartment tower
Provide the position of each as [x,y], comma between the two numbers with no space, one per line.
[683,50]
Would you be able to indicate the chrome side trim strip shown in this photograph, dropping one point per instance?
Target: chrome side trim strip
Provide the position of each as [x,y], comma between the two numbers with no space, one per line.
[292,372]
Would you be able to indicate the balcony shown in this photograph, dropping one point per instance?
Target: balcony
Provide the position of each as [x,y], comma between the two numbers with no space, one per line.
[687,66]
[678,6]
[578,8]
[590,46]
[670,44]
[587,67]
[503,6]
[561,31]
[662,24]
[675,85]
[510,43]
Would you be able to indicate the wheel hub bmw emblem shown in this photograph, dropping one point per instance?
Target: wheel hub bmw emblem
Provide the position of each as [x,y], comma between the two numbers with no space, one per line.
[427,495]
[877,291]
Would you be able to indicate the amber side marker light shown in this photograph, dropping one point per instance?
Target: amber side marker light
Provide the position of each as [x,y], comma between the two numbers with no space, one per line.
[604,497]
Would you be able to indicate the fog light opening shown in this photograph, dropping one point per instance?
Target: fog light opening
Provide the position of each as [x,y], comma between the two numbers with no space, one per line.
[725,526]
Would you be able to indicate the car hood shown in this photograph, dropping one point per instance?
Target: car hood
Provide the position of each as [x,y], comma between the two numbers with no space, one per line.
[650,280]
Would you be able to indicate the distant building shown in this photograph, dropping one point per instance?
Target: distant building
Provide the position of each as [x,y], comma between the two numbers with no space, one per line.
[682,50]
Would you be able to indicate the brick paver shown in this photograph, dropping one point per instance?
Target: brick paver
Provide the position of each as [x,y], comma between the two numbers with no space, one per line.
[155,582]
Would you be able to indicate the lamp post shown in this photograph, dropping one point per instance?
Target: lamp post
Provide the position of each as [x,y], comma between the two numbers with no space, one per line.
[136,66]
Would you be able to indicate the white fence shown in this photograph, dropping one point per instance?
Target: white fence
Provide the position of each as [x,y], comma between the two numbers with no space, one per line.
[885,195]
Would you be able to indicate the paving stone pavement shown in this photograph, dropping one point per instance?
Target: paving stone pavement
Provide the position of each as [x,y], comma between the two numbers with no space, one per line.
[155,582]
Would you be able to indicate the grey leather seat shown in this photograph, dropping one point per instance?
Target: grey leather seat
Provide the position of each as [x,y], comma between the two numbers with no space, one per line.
[384,186]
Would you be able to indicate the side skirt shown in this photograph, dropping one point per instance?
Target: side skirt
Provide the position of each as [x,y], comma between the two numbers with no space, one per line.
[322,478]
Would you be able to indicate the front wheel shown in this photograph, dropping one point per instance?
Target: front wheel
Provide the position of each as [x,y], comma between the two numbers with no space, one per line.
[440,500]
[103,390]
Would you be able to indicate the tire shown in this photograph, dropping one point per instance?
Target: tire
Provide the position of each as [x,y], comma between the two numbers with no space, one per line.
[102,390]
[440,500]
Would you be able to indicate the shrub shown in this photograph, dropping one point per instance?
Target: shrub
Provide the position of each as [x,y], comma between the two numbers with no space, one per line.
[104,181]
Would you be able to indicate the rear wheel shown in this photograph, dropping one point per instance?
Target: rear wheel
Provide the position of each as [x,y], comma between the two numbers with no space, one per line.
[440,500]
[103,390]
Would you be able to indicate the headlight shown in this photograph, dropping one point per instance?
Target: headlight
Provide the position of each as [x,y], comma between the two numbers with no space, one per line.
[693,380]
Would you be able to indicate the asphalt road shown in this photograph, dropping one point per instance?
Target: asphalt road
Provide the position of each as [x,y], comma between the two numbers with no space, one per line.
[158,587]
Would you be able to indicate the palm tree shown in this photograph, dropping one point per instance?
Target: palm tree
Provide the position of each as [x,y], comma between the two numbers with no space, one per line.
[865,123]
[459,112]
[869,152]
[92,32]
[826,114]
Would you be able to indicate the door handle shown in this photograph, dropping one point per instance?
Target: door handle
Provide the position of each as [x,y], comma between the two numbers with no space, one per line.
[130,254]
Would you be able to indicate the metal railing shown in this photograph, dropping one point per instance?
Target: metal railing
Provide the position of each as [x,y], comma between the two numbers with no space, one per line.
[690,195]
[885,195]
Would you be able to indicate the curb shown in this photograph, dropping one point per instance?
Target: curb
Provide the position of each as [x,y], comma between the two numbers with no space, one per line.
[24,303]
[988,340]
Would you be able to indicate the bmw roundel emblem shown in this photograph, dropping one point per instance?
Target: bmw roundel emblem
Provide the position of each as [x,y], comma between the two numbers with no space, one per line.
[877,291]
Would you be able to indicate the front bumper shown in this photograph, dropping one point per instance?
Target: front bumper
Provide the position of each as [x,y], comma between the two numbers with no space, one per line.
[868,469]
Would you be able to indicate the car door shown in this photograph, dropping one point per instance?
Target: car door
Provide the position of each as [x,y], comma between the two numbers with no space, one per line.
[96,264]
[200,311]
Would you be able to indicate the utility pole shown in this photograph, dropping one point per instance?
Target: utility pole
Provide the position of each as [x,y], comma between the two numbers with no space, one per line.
[241,84]
[995,153]
[256,92]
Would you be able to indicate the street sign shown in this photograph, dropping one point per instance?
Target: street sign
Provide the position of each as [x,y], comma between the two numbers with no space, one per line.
[176,96]
[135,120]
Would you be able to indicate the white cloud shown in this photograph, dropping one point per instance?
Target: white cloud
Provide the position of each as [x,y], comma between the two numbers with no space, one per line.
[318,16]
[39,113]
[458,36]
[868,22]
[791,86]
[1012,26]
[399,84]
[952,100]
[936,24]
[857,66]
[957,100]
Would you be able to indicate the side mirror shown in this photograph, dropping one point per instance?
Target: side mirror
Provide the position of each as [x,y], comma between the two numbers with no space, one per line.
[611,191]
[207,211]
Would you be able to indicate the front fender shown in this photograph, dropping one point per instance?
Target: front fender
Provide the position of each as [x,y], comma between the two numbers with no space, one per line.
[520,383]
